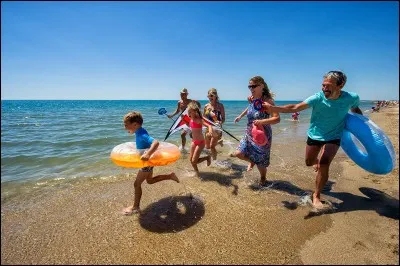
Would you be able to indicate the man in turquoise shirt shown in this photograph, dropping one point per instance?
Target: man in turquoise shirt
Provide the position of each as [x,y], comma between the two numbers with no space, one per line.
[329,109]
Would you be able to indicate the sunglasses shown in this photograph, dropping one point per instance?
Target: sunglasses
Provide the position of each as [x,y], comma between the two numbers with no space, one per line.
[211,96]
[252,86]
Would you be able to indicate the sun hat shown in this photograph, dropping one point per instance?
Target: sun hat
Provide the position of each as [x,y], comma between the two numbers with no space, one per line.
[259,136]
[184,90]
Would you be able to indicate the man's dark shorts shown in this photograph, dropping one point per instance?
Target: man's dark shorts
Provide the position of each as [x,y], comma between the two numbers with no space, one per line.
[313,142]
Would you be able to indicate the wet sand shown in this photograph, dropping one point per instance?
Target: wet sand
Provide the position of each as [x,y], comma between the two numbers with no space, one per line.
[220,218]
[366,230]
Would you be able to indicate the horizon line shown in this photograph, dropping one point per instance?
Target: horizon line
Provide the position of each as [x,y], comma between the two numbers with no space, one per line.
[176,99]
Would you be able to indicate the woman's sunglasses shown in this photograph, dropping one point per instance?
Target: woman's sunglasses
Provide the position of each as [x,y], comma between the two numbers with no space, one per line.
[252,86]
[211,96]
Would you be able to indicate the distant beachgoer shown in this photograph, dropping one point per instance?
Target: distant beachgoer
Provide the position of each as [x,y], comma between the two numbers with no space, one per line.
[181,106]
[198,143]
[214,111]
[248,149]
[295,116]
[377,107]
[329,109]
[133,123]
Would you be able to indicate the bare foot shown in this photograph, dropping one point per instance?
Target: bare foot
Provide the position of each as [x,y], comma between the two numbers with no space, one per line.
[315,166]
[174,177]
[130,210]
[208,160]
[250,167]
[317,202]
[194,174]
[263,182]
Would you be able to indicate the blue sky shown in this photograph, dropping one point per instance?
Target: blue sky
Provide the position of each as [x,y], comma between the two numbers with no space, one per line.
[150,50]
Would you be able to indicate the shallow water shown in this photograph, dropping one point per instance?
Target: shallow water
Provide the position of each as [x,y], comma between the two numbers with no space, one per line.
[49,142]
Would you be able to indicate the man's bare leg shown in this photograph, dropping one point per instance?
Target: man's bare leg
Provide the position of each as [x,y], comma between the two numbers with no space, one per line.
[328,153]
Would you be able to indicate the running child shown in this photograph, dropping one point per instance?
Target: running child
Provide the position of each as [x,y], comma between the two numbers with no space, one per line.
[133,123]
[198,143]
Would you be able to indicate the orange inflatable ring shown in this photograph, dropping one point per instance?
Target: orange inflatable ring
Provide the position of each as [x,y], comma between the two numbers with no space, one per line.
[127,155]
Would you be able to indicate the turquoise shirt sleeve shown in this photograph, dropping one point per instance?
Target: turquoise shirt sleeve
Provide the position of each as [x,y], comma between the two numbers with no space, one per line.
[313,99]
[356,99]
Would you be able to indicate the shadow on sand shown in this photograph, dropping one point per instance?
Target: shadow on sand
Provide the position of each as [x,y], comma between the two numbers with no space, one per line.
[376,200]
[225,180]
[284,186]
[172,214]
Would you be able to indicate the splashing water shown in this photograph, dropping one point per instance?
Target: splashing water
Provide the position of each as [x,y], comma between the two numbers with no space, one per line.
[305,200]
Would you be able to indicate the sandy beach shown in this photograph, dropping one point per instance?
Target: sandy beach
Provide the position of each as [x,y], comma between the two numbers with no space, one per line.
[221,218]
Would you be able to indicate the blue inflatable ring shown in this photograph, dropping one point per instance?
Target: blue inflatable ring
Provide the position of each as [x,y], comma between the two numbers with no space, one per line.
[380,157]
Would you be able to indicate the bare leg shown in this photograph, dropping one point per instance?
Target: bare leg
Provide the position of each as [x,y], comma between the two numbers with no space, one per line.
[195,157]
[219,139]
[221,142]
[263,174]
[214,142]
[250,166]
[171,176]
[328,153]
[240,155]
[183,138]
[141,176]
[207,140]
[312,156]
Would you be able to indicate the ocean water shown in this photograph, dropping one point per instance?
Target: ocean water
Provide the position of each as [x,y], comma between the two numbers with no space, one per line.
[72,139]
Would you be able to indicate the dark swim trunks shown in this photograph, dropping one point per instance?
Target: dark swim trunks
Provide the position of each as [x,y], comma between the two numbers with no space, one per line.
[313,142]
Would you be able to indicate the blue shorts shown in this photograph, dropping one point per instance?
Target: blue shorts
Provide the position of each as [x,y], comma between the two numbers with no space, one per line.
[146,169]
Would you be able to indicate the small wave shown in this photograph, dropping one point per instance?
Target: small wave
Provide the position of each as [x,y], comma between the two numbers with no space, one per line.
[223,164]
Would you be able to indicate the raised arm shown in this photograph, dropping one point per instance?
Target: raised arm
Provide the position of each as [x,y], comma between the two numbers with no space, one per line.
[288,108]
[237,119]
[273,119]
[176,111]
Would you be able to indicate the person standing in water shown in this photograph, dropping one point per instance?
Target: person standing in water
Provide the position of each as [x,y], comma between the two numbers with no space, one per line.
[329,109]
[215,112]
[295,116]
[196,124]
[181,106]
[248,149]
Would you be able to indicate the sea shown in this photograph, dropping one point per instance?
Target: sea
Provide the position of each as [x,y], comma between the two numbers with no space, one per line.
[62,140]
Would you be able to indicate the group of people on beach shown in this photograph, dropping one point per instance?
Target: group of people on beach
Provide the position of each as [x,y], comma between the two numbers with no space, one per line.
[381,104]
[329,108]
[214,111]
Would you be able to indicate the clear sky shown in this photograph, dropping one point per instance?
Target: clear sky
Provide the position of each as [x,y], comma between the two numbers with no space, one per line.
[150,50]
